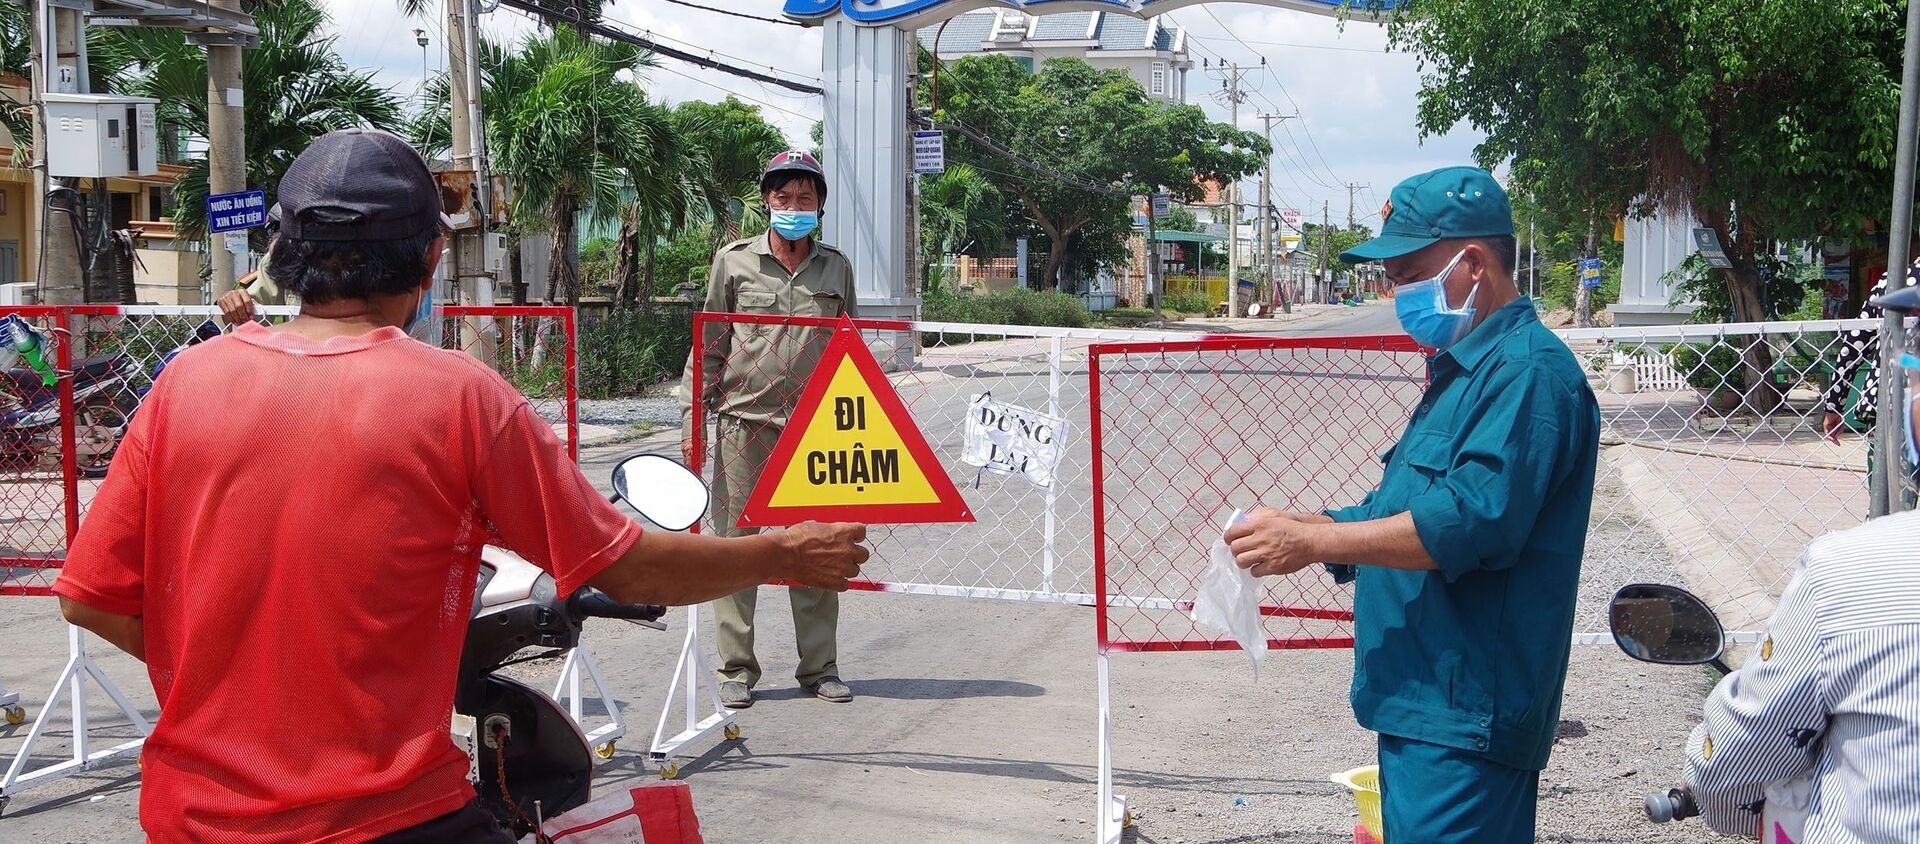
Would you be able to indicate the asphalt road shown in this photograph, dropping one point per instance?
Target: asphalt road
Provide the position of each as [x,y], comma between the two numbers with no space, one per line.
[975,718]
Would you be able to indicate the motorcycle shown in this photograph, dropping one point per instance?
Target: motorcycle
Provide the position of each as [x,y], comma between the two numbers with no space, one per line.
[1667,625]
[529,760]
[30,435]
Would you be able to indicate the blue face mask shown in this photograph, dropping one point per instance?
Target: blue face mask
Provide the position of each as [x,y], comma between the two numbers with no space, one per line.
[794,225]
[1425,315]
[421,311]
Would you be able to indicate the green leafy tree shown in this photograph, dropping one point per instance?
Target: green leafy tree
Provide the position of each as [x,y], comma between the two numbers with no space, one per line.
[738,143]
[1768,121]
[297,88]
[1340,238]
[1097,126]
[1180,220]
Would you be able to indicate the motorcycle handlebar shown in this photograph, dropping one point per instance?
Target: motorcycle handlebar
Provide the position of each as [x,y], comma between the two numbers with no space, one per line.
[1675,804]
[590,603]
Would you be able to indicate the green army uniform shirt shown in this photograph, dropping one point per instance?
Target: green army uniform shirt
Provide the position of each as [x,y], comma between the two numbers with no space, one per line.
[755,372]
[1497,468]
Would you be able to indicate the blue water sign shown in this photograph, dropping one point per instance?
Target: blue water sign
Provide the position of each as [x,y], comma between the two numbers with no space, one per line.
[230,212]
[1590,272]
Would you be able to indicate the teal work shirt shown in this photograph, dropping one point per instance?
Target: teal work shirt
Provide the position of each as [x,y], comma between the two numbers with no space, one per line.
[1497,468]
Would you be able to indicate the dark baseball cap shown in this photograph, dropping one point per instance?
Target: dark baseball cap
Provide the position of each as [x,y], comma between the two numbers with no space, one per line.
[1443,204]
[358,184]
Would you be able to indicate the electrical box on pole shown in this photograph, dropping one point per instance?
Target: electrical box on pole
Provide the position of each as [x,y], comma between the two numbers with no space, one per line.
[97,136]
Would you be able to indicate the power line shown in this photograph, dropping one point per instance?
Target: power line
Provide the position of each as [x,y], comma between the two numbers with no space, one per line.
[710,52]
[735,14]
[1295,46]
[726,90]
[1283,91]
[605,31]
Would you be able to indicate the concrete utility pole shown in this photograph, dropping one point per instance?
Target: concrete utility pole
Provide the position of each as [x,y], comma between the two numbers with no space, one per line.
[1326,243]
[1269,237]
[472,282]
[1233,201]
[226,149]
[58,67]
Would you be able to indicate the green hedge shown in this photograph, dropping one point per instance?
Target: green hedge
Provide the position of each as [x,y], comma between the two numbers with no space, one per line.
[1708,367]
[1018,306]
[1189,303]
[625,353]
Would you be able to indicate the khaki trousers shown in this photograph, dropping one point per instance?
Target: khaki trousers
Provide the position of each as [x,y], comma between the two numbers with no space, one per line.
[741,451]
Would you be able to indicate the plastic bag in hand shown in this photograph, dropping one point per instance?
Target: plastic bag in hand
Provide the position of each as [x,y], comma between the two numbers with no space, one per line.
[1229,600]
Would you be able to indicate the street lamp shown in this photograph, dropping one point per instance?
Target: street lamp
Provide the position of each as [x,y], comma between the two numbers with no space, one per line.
[420,38]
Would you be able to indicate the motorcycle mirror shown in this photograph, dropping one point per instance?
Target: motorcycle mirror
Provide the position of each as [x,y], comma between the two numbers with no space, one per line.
[661,490]
[1667,625]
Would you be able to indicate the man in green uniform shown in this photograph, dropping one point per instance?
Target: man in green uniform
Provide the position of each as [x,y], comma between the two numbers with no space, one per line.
[751,375]
[1469,550]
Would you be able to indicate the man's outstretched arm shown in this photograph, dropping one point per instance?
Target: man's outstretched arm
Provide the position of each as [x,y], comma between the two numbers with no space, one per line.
[679,568]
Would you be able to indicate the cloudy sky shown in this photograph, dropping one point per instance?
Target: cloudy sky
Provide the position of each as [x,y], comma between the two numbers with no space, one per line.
[1355,100]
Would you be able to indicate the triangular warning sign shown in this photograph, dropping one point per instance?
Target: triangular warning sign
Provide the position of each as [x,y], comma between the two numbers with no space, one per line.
[851,453]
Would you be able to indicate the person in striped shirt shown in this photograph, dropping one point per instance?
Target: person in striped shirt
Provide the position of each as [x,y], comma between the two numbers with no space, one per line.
[1822,724]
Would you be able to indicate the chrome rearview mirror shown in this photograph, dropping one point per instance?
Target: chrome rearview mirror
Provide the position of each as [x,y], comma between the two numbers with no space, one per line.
[661,490]
[1666,625]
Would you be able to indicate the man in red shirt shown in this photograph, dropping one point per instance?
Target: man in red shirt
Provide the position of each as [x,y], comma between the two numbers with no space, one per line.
[304,655]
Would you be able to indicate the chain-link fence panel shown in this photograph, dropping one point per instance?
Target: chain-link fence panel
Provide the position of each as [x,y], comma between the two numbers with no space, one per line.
[57,441]
[1187,432]
[1725,449]
[534,347]
[39,502]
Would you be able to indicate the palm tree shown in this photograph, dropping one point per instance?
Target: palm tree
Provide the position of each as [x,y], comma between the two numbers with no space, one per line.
[957,208]
[570,129]
[297,88]
[666,192]
[16,58]
[738,142]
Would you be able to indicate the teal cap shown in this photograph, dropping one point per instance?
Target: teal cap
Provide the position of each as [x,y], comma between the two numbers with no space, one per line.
[1447,203]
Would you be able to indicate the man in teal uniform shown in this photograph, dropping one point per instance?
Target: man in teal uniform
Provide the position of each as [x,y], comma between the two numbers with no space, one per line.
[1469,551]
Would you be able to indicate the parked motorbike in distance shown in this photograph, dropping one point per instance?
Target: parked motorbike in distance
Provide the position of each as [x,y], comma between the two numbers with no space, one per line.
[30,435]
[530,761]
[1667,625]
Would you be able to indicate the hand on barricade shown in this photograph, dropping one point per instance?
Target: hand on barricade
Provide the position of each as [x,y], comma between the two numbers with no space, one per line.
[1271,542]
[823,556]
[236,306]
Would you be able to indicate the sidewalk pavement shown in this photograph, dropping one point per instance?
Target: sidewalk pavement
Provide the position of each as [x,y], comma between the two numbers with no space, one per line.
[1735,501]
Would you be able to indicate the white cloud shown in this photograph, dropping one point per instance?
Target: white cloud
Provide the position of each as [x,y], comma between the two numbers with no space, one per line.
[1357,102]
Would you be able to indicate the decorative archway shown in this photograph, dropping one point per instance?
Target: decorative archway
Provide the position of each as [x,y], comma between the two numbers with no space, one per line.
[865,62]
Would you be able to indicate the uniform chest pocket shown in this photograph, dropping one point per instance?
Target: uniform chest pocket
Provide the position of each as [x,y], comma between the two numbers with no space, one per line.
[827,303]
[755,301]
[1430,456]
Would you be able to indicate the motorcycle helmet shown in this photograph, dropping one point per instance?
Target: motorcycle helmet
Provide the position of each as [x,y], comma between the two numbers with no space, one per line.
[794,161]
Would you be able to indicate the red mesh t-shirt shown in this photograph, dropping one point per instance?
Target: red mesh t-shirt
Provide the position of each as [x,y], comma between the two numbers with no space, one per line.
[299,524]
